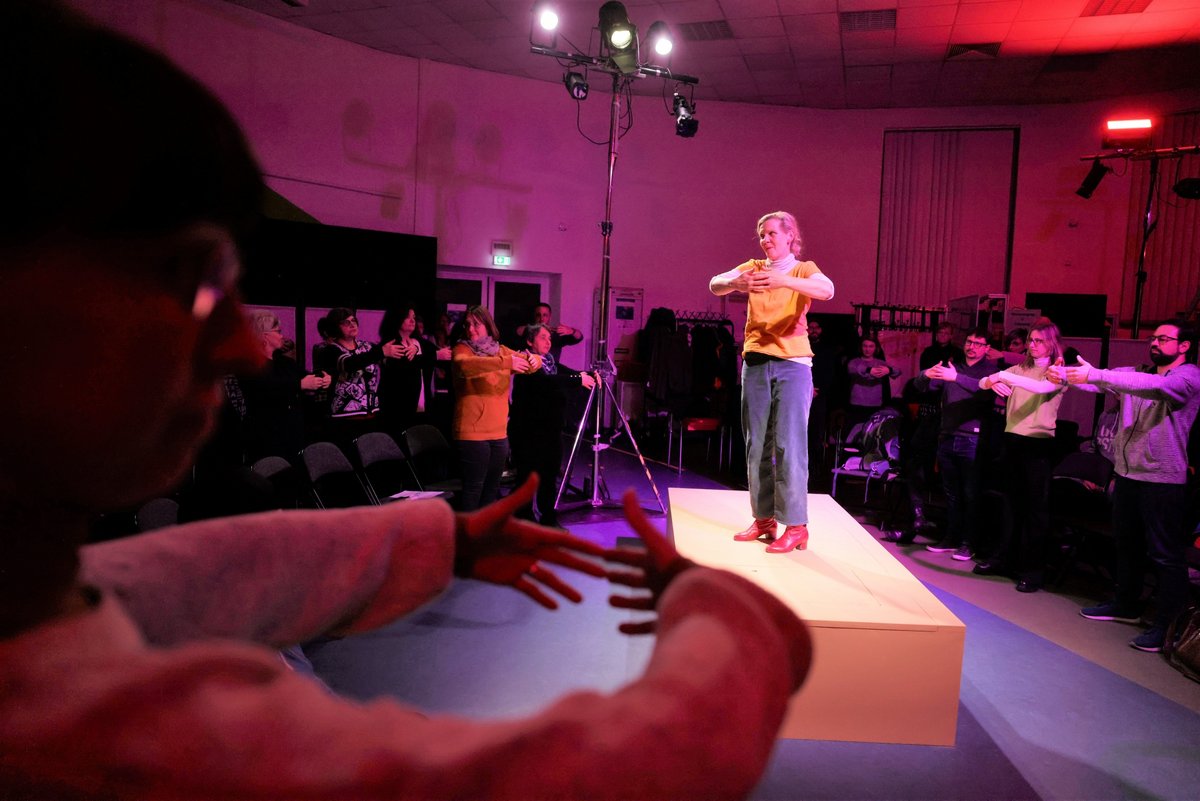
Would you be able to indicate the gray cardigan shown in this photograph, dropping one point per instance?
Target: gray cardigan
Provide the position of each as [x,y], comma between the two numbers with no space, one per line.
[1156,415]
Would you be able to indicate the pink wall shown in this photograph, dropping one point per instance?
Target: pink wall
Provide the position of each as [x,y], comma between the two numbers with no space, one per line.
[362,138]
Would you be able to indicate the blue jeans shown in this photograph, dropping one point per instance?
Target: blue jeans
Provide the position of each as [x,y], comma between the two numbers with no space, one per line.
[482,463]
[957,461]
[1149,521]
[776,397]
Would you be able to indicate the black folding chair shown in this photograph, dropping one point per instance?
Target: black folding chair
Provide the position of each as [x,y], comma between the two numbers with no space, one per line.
[386,471]
[332,479]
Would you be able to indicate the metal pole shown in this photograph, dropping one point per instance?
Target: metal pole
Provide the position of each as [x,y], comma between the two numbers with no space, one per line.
[1148,224]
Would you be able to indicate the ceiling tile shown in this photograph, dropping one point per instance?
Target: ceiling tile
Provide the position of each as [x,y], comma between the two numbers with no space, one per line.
[1088,44]
[1168,21]
[1051,9]
[769,61]
[1028,47]
[757,28]
[1102,26]
[984,13]
[1040,28]
[973,34]
[881,72]
[868,40]
[685,11]
[865,5]
[789,7]
[926,16]
[881,55]
[915,36]
[742,9]
[776,44]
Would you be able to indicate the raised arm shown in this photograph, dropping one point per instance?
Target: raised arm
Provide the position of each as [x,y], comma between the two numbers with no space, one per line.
[1039,386]
[735,280]
[1175,387]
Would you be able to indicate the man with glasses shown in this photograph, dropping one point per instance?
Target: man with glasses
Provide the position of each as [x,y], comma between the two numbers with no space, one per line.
[1158,404]
[965,410]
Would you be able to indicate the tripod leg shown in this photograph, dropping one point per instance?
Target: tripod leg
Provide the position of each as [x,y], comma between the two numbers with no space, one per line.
[636,449]
[575,447]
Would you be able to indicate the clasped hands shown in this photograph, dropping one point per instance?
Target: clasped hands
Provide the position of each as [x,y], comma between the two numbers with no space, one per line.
[759,281]
[401,350]
[491,545]
[942,372]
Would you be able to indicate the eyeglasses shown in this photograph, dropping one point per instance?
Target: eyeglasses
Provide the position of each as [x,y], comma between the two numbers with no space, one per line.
[1155,339]
[972,343]
[349,321]
[1036,341]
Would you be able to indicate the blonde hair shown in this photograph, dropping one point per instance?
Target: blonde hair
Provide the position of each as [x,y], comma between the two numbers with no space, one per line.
[789,225]
[263,321]
[1049,332]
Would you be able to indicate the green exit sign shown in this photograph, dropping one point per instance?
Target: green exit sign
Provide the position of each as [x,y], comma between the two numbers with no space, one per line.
[502,261]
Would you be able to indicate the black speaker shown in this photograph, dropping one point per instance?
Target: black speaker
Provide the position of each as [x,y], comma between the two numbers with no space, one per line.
[1075,315]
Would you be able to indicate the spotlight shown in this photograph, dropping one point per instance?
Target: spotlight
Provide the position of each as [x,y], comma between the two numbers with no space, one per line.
[577,85]
[1127,134]
[686,123]
[546,16]
[1188,188]
[1092,180]
[619,35]
[660,38]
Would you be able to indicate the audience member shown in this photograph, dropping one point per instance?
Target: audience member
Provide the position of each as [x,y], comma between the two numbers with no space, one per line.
[274,422]
[870,381]
[405,381]
[353,363]
[965,409]
[535,425]
[1158,406]
[145,668]
[482,371]
[823,370]
[561,334]
[943,350]
[1031,417]
[1014,347]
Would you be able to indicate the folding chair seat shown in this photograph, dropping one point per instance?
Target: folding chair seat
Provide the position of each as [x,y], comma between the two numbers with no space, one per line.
[431,459]
[385,469]
[285,481]
[332,479]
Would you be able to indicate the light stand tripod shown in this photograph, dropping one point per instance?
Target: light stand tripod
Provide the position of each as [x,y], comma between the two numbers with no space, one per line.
[1149,220]
[623,71]
[602,366]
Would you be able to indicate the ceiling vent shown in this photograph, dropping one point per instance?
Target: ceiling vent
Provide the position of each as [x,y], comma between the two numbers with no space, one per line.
[1110,8]
[704,31]
[970,52]
[868,21]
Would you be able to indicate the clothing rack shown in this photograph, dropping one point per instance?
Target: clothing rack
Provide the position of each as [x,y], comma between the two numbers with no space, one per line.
[871,317]
[693,317]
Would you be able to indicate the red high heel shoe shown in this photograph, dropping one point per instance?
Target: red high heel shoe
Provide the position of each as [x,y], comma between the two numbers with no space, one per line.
[757,530]
[795,538]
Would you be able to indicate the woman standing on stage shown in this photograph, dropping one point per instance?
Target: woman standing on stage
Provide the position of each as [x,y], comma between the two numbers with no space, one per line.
[777,386]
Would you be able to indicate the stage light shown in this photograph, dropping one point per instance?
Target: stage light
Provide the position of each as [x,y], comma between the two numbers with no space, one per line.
[686,123]
[577,85]
[619,35]
[1188,188]
[1092,180]
[546,16]
[660,38]
[1127,134]
[615,28]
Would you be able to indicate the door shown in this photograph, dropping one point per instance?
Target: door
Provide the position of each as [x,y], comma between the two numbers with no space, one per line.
[509,296]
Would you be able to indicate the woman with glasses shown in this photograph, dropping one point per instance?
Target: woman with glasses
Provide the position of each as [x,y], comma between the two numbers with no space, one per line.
[353,363]
[1030,419]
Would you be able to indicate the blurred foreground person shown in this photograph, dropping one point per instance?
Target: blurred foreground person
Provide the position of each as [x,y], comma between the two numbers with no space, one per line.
[143,668]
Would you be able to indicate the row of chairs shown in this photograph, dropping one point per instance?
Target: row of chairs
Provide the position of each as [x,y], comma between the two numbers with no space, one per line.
[380,471]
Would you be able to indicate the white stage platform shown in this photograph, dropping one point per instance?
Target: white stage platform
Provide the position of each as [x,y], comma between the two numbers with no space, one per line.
[887,655]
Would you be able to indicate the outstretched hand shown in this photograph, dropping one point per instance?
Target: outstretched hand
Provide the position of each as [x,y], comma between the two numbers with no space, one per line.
[1077,373]
[657,566]
[494,546]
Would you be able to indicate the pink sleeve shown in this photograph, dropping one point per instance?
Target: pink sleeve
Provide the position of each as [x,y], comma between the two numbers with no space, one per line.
[279,578]
[210,720]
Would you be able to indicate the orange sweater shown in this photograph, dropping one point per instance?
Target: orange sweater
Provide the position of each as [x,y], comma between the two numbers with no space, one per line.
[777,321]
[481,386]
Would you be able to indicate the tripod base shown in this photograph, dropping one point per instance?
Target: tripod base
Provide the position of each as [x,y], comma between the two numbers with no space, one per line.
[599,490]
